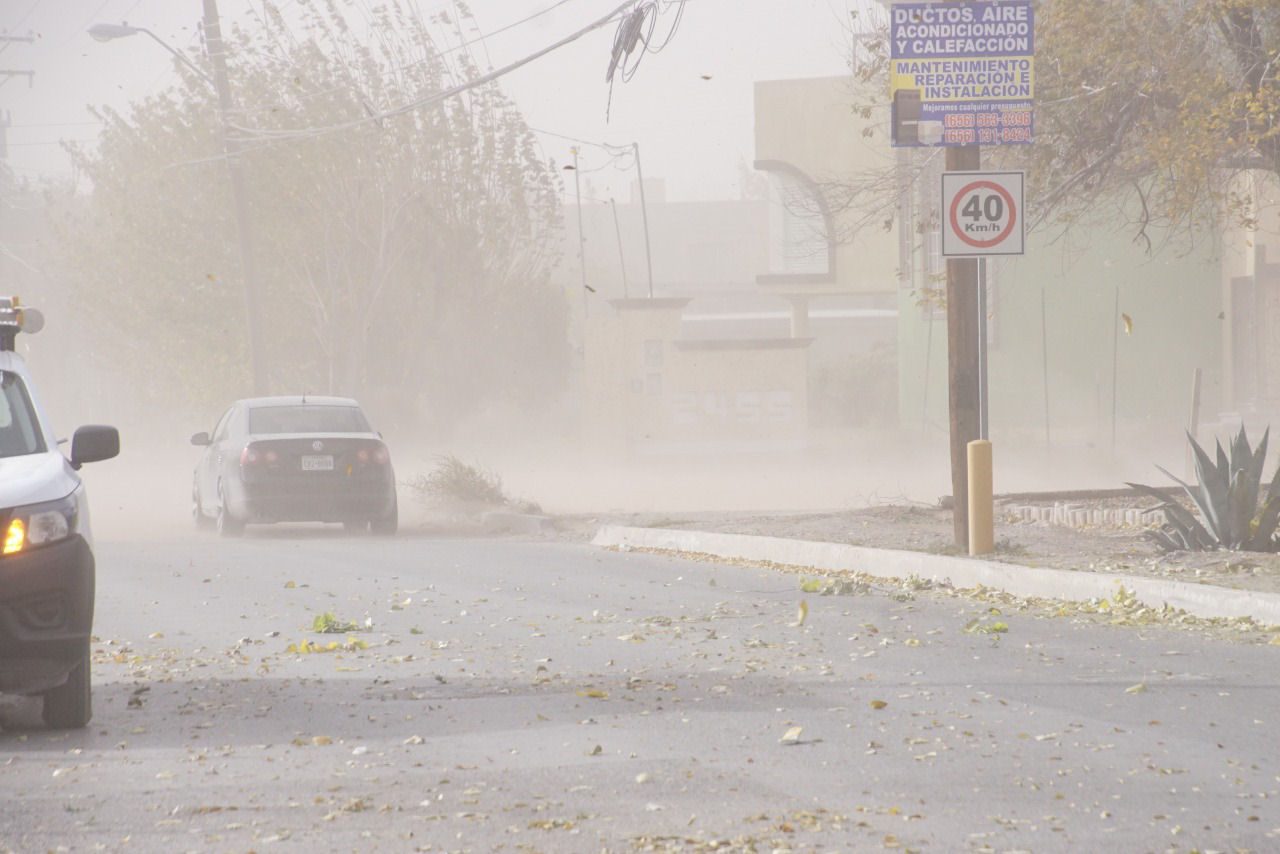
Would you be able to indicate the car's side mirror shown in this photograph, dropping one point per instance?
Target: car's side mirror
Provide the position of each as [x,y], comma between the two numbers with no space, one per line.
[200,439]
[93,443]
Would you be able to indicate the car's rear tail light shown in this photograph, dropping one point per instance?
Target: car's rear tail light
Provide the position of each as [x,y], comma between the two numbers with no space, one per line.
[376,454]
[252,456]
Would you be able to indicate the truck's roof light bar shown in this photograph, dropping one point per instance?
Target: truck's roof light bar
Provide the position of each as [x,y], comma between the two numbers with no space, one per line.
[14,319]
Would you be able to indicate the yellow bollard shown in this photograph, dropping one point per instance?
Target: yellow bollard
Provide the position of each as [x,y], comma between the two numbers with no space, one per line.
[982,511]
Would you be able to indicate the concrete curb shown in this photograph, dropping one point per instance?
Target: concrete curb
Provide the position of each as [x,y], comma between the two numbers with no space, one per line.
[1203,600]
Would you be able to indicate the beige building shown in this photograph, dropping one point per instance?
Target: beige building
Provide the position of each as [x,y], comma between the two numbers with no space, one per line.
[764,314]
[1251,301]
[813,145]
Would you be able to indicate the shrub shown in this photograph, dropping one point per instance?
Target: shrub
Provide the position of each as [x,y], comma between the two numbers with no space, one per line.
[454,482]
[1232,511]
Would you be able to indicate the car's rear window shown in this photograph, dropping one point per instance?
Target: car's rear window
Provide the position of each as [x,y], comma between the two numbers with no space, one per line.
[308,418]
[19,431]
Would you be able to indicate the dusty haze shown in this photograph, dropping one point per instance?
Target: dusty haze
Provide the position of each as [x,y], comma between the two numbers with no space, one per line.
[130,247]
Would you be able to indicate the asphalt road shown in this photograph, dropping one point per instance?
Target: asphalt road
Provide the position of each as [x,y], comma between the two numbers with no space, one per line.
[545,696]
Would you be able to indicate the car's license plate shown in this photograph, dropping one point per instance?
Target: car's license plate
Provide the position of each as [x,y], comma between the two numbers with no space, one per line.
[317,463]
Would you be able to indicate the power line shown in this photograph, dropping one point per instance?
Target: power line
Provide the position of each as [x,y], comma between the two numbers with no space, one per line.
[518,23]
[28,14]
[306,96]
[53,124]
[637,29]
[50,142]
[298,133]
[567,138]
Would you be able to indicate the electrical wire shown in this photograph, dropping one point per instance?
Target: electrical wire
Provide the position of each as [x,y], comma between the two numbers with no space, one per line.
[634,37]
[611,163]
[440,53]
[28,14]
[675,26]
[616,152]
[573,138]
[301,133]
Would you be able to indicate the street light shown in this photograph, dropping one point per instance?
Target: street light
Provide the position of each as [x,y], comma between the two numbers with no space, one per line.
[235,170]
[110,32]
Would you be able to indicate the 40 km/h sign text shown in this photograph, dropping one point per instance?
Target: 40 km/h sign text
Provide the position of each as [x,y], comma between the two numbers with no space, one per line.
[982,213]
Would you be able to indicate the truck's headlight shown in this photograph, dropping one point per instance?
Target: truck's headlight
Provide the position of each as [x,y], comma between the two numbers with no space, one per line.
[39,525]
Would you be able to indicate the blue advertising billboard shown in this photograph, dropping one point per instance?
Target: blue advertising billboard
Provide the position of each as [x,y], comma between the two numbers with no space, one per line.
[962,73]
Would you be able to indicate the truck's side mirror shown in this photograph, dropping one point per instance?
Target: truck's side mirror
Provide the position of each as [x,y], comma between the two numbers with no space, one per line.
[93,443]
[201,439]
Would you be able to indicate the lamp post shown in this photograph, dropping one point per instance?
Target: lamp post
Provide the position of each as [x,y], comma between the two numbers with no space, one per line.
[110,32]
[235,169]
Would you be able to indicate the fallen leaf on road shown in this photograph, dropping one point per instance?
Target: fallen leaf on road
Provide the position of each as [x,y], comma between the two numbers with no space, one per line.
[802,614]
[308,647]
[328,624]
[878,704]
[594,694]
[792,736]
[1140,688]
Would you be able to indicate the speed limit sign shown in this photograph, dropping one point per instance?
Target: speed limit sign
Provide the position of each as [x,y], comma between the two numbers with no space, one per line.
[982,214]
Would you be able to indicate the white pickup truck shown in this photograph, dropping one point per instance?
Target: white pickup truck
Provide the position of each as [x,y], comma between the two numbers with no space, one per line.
[46,549]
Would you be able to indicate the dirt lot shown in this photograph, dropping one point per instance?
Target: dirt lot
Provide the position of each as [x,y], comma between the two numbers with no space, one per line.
[1103,549]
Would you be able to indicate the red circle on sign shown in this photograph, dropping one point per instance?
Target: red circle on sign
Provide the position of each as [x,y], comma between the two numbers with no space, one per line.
[1009,203]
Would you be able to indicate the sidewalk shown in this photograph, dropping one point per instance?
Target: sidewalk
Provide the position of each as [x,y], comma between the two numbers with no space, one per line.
[1202,600]
[1033,560]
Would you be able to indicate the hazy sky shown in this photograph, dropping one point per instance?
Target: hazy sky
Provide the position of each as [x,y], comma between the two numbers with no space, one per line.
[693,132]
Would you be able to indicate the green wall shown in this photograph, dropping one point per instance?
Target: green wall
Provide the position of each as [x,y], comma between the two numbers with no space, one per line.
[1173,297]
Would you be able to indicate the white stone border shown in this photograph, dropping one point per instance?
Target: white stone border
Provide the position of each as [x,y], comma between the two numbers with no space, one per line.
[1203,600]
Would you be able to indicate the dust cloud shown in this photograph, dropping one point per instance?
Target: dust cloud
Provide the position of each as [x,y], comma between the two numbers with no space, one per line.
[524,301]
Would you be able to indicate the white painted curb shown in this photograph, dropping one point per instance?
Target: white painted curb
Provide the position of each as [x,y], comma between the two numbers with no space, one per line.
[1203,600]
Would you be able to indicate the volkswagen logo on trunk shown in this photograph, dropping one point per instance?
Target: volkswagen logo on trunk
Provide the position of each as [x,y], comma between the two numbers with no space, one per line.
[317,445]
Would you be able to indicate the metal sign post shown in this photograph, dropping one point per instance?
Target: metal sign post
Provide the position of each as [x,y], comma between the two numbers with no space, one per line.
[982,215]
[963,365]
[962,75]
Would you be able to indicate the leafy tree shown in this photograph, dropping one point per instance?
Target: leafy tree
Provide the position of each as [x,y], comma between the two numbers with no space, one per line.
[404,257]
[1156,106]
[1149,111]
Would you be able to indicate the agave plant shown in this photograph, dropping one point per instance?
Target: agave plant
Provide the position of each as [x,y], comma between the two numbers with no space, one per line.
[1233,513]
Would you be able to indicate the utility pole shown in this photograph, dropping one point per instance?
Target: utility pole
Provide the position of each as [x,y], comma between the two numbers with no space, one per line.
[964,305]
[4,155]
[644,212]
[622,259]
[5,75]
[582,246]
[5,120]
[235,170]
